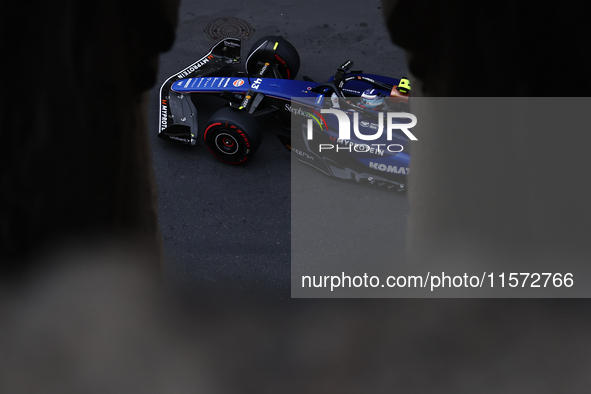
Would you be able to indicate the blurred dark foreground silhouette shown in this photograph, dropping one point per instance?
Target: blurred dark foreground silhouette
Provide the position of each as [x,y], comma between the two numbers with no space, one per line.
[102,327]
[98,319]
[75,151]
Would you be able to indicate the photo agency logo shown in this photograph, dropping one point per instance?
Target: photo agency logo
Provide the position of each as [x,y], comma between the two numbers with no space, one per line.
[368,136]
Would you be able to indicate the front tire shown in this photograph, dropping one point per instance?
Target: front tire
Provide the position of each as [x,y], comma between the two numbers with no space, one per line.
[232,136]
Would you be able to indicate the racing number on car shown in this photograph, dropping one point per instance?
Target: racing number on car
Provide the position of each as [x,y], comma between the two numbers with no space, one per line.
[256,83]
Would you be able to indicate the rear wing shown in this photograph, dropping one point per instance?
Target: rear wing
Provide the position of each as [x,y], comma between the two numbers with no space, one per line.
[177,115]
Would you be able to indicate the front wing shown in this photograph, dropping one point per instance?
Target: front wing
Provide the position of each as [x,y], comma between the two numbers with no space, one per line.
[177,114]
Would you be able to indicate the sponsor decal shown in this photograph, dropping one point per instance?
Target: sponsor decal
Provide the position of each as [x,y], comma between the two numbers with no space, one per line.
[256,84]
[246,101]
[387,168]
[297,111]
[178,138]
[262,72]
[238,82]
[231,44]
[299,152]
[197,65]
[164,115]
[244,137]
[352,91]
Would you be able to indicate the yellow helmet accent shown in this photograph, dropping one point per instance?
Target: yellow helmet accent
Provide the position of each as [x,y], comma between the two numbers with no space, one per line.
[404,85]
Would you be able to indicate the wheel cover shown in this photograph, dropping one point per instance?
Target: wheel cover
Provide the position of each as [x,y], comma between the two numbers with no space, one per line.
[226,143]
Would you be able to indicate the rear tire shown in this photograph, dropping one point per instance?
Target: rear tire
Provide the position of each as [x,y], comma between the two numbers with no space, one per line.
[285,56]
[232,136]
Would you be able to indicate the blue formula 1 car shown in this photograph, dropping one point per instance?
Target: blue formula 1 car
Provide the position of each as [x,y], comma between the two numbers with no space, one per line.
[375,149]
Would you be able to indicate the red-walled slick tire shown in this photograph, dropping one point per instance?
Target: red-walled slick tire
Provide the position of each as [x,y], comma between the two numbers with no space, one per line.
[232,135]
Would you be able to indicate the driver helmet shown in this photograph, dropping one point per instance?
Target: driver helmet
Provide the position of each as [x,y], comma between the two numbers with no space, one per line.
[371,98]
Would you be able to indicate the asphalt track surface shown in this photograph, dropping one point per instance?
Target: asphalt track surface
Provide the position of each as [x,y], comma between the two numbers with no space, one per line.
[229,228]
